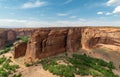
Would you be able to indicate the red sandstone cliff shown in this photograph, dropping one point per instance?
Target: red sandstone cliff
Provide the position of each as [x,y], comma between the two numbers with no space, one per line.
[47,42]
[9,35]
[50,41]
[6,37]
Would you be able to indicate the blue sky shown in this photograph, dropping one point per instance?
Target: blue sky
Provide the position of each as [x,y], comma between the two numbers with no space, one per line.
[59,13]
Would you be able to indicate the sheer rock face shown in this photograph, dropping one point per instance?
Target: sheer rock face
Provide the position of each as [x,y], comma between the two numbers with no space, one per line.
[11,35]
[6,37]
[49,42]
[20,49]
[3,39]
[74,39]
[93,37]
[45,43]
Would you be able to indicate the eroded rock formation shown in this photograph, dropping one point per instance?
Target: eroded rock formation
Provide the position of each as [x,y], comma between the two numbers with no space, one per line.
[20,49]
[91,37]
[49,42]
[6,37]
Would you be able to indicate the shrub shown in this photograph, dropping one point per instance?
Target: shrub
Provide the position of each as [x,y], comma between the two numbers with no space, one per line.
[18,75]
[2,59]
[110,65]
[27,64]
[23,38]
[80,65]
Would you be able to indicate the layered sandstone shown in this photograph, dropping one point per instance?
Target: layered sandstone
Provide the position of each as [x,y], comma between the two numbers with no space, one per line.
[9,35]
[6,37]
[92,37]
[47,42]
[20,49]
[50,41]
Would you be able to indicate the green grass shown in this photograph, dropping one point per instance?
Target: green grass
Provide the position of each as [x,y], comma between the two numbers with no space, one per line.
[79,65]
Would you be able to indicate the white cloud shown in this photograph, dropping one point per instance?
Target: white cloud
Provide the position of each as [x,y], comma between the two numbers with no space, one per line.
[12,20]
[73,16]
[37,3]
[67,1]
[113,2]
[116,10]
[108,13]
[99,13]
[81,19]
[14,23]
[62,14]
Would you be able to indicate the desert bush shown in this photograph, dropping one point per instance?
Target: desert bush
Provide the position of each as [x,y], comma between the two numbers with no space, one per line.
[81,65]
[17,75]
[2,59]
[27,64]
[23,38]
[3,73]
[9,45]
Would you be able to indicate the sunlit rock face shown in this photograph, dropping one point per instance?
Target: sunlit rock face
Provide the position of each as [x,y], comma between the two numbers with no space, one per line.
[47,42]
[92,37]
[20,49]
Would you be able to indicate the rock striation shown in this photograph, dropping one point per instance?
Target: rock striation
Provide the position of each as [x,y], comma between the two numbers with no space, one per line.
[93,37]
[47,42]
[6,37]
[10,35]
[20,49]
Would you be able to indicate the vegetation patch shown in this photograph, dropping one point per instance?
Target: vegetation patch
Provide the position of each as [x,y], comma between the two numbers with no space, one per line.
[23,38]
[6,49]
[6,68]
[79,65]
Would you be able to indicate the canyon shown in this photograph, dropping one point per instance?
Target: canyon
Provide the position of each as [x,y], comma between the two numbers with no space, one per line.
[28,46]
[45,42]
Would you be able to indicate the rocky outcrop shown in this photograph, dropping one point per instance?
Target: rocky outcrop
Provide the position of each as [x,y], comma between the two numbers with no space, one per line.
[20,49]
[9,35]
[92,37]
[74,39]
[50,41]
[47,42]
[6,37]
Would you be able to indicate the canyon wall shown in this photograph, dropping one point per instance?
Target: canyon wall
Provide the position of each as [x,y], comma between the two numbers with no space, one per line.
[93,37]
[7,37]
[47,42]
